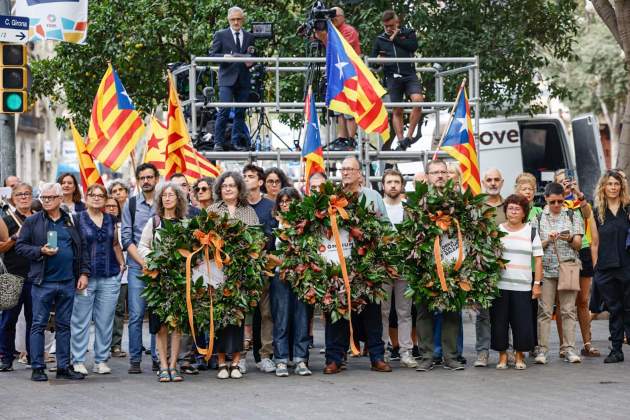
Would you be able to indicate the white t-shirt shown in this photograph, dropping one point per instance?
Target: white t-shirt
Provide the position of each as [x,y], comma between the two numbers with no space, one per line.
[519,250]
[395,213]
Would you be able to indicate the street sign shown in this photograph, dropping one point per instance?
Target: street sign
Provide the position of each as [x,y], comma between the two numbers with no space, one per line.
[14,29]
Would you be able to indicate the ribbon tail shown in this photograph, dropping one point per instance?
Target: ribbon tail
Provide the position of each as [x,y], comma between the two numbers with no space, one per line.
[438,263]
[189,307]
[210,349]
[460,242]
[346,280]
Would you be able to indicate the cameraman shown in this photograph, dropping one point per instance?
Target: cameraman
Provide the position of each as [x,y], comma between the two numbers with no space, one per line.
[346,125]
[234,78]
[400,77]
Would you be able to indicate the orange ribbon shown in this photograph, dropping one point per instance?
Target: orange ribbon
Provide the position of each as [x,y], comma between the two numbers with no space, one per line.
[443,221]
[207,241]
[337,205]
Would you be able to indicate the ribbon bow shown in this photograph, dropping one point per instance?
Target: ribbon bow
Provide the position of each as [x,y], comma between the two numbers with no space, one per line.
[336,205]
[443,221]
[207,240]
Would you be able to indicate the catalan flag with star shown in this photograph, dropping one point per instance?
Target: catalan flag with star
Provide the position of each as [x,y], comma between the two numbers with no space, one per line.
[352,88]
[459,143]
[87,168]
[312,150]
[177,136]
[115,125]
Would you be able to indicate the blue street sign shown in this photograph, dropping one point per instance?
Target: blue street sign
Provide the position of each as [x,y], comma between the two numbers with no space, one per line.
[14,29]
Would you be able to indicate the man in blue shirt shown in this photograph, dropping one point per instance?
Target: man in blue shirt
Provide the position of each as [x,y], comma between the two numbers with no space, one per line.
[138,210]
[55,271]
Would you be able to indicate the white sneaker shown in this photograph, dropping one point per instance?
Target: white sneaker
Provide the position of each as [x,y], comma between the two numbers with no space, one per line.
[541,358]
[387,357]
[266,365]
[223,372]
[482,359]
[302,370]
[242,366]
[571,357]
[407,360]
[236,373]
[100,368]
[80,368]
[282,370]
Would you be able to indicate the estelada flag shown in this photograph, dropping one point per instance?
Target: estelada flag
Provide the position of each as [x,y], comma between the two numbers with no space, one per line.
[459,143]
[177,136]
[312,149]
[115,125]
[156,145]
[352,88]
[87,168]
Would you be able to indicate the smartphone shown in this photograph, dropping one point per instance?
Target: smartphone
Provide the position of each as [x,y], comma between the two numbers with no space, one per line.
[52,239]
[565,232]
[570,174]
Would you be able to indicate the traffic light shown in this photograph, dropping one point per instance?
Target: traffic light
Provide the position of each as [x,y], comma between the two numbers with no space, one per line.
[13,90]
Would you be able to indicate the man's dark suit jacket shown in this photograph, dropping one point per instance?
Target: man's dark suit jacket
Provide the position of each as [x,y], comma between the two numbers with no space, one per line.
[223,43]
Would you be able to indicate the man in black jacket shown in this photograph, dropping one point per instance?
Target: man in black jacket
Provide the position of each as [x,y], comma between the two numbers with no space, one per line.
[56,270]
[234,78]
[400,78]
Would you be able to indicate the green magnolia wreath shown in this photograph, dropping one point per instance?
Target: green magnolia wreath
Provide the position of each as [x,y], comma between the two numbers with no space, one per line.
[433,213]
[317,281]
[243,257]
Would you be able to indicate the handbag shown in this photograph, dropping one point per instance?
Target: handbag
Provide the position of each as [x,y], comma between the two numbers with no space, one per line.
[10,288]
[568,273]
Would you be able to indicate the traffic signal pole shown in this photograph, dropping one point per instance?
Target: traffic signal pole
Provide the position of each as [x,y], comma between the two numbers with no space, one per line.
[7,127]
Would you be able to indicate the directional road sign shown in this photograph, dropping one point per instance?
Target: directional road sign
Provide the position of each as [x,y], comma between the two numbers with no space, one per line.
[14,29]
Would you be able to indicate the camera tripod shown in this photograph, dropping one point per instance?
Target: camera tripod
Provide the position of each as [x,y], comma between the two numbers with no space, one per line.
[263,123]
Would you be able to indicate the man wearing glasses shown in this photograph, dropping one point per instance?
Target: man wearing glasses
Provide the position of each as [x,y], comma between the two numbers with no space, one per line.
[137,211]
[59,264]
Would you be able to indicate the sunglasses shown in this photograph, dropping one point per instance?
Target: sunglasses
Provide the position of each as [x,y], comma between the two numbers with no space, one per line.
[555,202]
[202,189]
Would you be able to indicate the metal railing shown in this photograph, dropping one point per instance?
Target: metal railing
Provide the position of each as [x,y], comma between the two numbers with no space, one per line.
[468,67]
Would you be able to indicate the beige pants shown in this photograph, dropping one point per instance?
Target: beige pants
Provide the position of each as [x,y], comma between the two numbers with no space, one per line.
[266,325]
[403,311]
[568,313]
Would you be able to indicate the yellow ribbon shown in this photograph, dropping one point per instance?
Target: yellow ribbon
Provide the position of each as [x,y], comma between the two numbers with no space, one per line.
[207,241]
[337,205]
[443,221]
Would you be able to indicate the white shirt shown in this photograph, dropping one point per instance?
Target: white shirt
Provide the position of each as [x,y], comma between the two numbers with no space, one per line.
[395,212]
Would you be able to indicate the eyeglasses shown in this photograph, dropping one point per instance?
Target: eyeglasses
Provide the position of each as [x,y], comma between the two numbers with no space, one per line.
[349,169]
[555,202]
[438,173]
[273,181]
[202,189]
[169,195]
[111,206]
[146,178]
[285,202]
[48,197]
[228,186]
[23,195]
[99,196]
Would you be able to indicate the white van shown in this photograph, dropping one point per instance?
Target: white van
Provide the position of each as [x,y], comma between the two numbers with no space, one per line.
[537,144]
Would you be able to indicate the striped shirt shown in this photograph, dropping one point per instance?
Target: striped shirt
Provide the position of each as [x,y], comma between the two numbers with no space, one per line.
[519,250]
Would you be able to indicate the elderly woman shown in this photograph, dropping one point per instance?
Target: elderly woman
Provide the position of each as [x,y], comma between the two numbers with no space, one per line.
[98,303]
[171,204]
[10,225]
[274,180]
[230,197]
[512,308]
[119,191]
[203,191]
[71,193]
[611,258]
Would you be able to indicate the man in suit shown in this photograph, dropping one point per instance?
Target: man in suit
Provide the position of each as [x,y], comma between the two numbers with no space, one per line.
[234,79]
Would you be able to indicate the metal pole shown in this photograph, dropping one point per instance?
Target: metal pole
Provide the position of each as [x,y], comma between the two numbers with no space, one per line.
[192,91]
[477,107]
[7,127]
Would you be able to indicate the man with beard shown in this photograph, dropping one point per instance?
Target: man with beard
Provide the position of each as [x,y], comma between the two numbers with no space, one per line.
[393,183]
[137,211]
[492,182]
[338,333]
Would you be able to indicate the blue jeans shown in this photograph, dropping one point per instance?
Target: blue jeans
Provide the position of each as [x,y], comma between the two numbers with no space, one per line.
[289,314]
[137,307]
[437,335]
[9,319]
[62,295]
[98,304]
[231,94]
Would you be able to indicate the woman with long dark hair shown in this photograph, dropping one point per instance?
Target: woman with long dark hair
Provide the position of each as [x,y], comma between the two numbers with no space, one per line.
[71,193]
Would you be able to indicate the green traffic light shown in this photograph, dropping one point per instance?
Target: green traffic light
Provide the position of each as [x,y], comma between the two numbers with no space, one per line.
[13,102]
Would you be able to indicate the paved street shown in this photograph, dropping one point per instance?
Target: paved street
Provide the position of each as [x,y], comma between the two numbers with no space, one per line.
[558,391]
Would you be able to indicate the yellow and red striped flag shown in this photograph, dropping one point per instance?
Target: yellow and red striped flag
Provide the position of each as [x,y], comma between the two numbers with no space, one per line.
[156,146]
[177,136]
[89,171]
[115,125]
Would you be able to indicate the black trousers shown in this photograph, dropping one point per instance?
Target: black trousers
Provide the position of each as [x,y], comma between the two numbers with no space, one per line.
[512,309]
[614,287]
[338,335]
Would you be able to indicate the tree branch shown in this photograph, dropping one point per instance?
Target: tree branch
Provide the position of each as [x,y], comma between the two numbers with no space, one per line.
[607,13]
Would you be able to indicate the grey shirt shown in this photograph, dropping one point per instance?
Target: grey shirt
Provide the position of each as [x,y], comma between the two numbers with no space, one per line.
[132,234]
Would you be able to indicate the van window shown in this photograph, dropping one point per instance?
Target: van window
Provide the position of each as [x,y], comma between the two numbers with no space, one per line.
[541,148]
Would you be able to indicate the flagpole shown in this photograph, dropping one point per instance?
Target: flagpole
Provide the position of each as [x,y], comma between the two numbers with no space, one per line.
[133,168]
[450,120]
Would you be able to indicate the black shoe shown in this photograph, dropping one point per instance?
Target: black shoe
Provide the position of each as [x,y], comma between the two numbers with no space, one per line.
[614,357]
[155,366]
[38,375]
[70,374]
[6,366]
[146,350]
[217,148]
[134,368]
[395,354]
[437,360]
[404,144]
[415,352]
[461,359]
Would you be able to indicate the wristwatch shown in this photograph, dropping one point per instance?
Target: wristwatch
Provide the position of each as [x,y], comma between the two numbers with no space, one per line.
[538,282]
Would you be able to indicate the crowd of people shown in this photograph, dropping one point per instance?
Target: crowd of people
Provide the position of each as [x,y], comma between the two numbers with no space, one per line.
[82,261]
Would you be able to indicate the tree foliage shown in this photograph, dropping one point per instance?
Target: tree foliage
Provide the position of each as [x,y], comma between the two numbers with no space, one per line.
[140,37]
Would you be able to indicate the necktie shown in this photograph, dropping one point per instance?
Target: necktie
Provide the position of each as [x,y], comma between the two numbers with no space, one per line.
[238,41]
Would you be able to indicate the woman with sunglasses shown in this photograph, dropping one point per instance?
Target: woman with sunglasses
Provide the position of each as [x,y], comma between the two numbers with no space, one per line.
[611,257]
[98,301]
[203,192]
